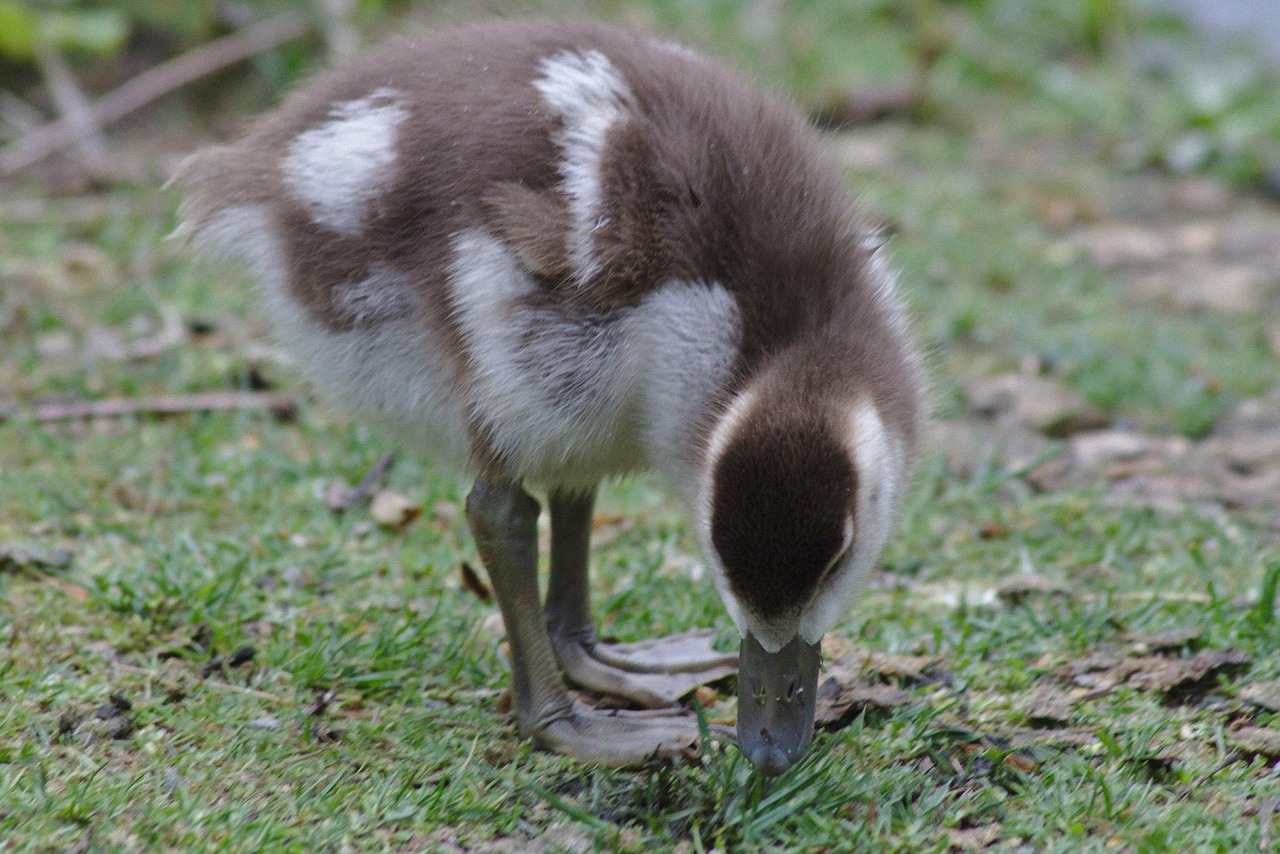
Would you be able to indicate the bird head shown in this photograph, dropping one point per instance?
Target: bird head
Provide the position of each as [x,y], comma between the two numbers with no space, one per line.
[794,507]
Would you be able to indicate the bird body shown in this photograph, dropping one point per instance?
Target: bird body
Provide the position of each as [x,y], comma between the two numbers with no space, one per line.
[557,252]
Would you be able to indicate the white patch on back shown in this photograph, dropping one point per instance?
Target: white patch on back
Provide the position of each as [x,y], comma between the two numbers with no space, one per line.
[390,373]
[590,96]
[570,395]
[338,169]
[880,462]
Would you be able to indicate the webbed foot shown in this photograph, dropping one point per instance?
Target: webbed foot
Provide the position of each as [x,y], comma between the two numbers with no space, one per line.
[650,673]
[622,738]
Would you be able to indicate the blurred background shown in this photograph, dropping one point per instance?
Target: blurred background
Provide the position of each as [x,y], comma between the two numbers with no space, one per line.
[1180,83]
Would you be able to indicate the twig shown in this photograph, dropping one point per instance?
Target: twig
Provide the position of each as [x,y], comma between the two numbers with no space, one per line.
[73,107]
[152,84]
[280,406]
[18,114]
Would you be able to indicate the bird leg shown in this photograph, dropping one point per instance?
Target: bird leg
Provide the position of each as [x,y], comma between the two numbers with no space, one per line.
[504,521]
[652,673]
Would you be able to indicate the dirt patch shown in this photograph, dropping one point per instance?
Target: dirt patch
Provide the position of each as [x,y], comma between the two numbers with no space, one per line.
[1189,246]
[1236,466]
[1178,679]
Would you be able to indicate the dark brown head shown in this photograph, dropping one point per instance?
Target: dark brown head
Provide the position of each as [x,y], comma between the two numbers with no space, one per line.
[795,505]
[782,512]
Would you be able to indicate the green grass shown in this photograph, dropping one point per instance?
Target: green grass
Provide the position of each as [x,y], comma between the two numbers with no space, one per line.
[196,536]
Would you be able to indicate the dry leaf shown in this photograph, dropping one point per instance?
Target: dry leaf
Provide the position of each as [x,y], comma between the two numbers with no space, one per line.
[16,557]
[1046,707]
[1175,677]
[836,648]
[393,511]
[973,838]
[341,497]
[1090,663]
[1017,761]
[1263,694]
[1063,739]
[493,626]
[992,531]
[848,663]
[505,703]
[1180,676]
[445,516]
[904,668]
[1037,403]
[1257,740]
[1097,671]
[841,701]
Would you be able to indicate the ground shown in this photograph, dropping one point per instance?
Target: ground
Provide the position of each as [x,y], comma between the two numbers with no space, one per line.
[1071,645]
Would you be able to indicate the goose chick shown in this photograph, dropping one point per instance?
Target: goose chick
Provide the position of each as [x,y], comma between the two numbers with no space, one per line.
[558,252]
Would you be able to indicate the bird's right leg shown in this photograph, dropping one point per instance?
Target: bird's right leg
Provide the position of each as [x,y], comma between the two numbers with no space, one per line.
[652,673]
[504,521]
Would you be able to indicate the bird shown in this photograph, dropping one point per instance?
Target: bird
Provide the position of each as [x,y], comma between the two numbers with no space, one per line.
[552,253]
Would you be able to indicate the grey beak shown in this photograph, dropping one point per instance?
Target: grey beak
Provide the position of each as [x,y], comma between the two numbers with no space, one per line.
[776,696]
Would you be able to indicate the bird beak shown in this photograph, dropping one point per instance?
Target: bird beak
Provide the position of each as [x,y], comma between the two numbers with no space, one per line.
[776,696]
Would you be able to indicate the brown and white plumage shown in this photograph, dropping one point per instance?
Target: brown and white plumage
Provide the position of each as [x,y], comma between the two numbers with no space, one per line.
[556,252]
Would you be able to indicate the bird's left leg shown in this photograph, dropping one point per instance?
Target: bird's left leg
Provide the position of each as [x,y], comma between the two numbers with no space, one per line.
[652,673]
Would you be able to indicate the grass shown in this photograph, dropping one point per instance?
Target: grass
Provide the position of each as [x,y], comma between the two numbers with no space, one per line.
[197,536]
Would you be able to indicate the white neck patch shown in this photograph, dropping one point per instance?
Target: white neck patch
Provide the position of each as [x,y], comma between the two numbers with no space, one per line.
[591,96]
[880,462]
[725,427]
